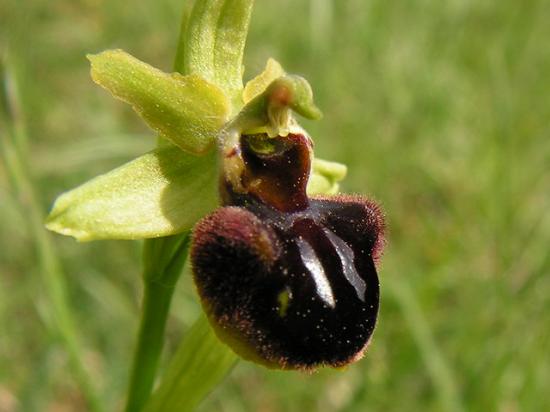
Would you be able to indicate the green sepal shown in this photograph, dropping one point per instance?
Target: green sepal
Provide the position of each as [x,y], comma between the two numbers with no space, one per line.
[198,54]
[187,110]
[319,185]
[332,170]
[324,177]
[161,193]
[215,39]
[231,33]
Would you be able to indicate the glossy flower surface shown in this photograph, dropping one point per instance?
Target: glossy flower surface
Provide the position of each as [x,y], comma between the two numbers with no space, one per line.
[288,281]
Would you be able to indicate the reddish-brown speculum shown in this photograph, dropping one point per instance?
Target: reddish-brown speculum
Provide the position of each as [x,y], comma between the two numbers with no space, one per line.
[278,178]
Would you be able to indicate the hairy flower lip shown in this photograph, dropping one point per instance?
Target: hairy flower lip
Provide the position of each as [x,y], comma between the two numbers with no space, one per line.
[284,221]
[286,280]
[239,283]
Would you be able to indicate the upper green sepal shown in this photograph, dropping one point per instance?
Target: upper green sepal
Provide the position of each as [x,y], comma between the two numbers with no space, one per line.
[187,110]
[214,42]
[231,32]
[161,193]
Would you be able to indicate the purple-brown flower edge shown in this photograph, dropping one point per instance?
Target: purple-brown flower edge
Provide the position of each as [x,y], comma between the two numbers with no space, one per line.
[286,280]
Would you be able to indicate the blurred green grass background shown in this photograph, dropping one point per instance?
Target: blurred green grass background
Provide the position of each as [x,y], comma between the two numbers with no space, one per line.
[441,110]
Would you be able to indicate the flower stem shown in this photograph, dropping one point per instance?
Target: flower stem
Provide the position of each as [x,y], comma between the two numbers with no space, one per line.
[159,283]
[164,259]
[157,291]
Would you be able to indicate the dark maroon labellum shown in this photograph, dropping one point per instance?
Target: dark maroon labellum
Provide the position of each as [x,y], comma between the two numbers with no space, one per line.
[286,280]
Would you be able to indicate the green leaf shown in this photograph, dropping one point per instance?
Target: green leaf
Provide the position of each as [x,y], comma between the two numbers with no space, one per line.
[187,110]
[161,193]
[198,366]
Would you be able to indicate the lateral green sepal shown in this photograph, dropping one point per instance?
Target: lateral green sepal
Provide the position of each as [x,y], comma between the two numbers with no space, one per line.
[324,177]
[161,193]
[187,110]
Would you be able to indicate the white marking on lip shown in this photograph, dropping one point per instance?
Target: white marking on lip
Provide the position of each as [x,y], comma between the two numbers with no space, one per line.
[313,265]
[347,257]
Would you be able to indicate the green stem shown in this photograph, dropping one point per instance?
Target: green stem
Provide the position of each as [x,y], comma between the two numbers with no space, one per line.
[164,260]
[195,54]
[156,302]
[158,290]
